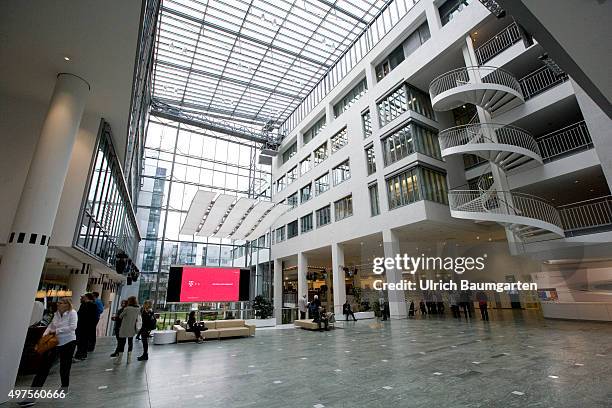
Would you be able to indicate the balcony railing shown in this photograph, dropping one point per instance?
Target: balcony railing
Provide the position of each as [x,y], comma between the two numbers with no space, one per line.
[539,81]
[484,132]
[568,140]
[467,75]
[587,216]
[504,203]
[500,42]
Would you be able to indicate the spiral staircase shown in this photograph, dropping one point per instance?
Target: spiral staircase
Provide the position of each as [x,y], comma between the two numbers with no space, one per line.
[504,146]
[493,89]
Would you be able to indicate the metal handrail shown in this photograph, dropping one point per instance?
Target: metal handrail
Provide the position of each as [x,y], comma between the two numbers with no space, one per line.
[539,81]
[504,203]
[500,42]
[565,140]
[473,75]
[587,215]
[487,133]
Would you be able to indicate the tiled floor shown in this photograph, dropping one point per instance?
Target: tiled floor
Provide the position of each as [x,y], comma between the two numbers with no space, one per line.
[516,360]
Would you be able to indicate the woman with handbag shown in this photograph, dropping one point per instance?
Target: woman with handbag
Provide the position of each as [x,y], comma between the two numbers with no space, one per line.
[148,323]
[59,339]
[131,323]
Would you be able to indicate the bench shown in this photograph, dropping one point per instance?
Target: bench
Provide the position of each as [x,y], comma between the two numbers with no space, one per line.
[309,324]
[217,329]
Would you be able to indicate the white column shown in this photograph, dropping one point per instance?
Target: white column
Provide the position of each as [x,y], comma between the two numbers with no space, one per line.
[433,16]
[26,249]
[338,278]
[77,283]
[278,291]
[397,300]
[302,270]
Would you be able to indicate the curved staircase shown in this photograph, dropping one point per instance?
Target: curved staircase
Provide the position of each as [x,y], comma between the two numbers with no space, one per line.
[491,88]
[503,145]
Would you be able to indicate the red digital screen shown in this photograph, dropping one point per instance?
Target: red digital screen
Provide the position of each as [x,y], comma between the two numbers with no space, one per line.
[210,284]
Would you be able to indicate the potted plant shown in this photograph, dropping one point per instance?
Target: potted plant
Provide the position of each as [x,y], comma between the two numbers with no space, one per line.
[263,309]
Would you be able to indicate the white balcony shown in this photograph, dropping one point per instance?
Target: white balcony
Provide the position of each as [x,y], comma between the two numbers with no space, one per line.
[493,89]
[506,146]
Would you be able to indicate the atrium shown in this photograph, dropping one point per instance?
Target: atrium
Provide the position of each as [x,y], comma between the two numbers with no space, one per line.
[305,203]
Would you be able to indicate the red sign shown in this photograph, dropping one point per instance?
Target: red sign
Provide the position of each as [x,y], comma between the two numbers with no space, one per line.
[210,284]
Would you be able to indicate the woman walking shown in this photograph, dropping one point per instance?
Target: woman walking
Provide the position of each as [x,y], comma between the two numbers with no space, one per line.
[148,324]
[127,331]
[63,326]
[117,321]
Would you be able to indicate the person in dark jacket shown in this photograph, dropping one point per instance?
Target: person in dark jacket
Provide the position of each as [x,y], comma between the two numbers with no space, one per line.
[347,311]
[321,318]
[91,344]
[411,309]
[194,326]
[148,323]
[117,321]
[86,326]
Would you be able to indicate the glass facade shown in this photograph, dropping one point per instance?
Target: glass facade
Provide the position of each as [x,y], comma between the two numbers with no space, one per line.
[322,184]
[343,208]
[305,165]
[281,183]
[313,130]
[374,203]
[180,160]
[280,234]
[413,137]
[323,216]
[370,159]
[292,229]
[339,140]
[416,184]
[320,153]
[341,172]
[292,200]
[292,175]
[306,193]
[366,121]
[107,225]
[354,94]
[401,99]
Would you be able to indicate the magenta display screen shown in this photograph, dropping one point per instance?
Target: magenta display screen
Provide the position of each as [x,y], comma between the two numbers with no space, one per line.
[207,284]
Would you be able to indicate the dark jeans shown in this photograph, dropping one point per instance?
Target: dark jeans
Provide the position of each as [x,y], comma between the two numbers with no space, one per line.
[302,315]
[466,308]
[196,330]
[82,342]
[325,322]
[455,310]
[484,313]
[121,345]
[144,336]
[65,353]
[351,314]
[91,341]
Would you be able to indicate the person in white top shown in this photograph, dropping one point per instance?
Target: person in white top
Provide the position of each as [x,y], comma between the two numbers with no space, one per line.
[303,306]
[63,325]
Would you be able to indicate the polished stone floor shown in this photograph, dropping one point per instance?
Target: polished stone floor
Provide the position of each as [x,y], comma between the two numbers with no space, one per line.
[515,360]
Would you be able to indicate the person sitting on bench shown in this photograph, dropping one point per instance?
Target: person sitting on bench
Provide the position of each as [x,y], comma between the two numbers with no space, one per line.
[321,317]
[347,311]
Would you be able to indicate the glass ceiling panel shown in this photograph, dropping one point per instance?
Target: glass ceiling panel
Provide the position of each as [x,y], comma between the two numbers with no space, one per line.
[252,60]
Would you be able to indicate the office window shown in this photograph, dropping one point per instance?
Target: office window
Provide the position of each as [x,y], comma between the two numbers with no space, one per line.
[471,160]
[292,229]
[320,153]
[353,95]
[388,64]
[305,165]
[280,234]
[314,130]
[280,184]
[401,99]
[343,208]
[408,139]
[450,9]
[305,193]
[366,120]
[323,216]
[306,223]
[417,183]
[322,184]
[292,200]
[290,152]
[416,39]
[339,140]
[374,204]
[292,175]
[370,159]
[341,172]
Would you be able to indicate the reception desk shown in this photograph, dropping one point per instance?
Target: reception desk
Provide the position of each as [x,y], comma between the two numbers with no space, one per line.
[578,310]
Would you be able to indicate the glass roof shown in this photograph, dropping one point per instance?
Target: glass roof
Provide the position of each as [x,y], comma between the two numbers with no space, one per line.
[252,60]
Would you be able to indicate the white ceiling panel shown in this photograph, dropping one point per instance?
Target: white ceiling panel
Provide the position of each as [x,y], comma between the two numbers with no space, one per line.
[234,217]
[251,219]
[198,207]
[268,220]
[218,210]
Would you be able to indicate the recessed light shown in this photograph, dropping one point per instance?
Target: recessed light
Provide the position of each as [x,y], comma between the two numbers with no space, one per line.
[576,181]
[66,58]
[477,237]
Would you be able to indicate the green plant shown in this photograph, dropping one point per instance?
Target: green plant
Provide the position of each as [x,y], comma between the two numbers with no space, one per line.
[263,307]
[376,309]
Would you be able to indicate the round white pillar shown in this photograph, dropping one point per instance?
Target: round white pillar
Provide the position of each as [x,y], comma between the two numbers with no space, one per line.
[77,283]
[25,252]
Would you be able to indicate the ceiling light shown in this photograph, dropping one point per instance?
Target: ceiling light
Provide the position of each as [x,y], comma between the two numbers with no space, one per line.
[66,58]
[576,181]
